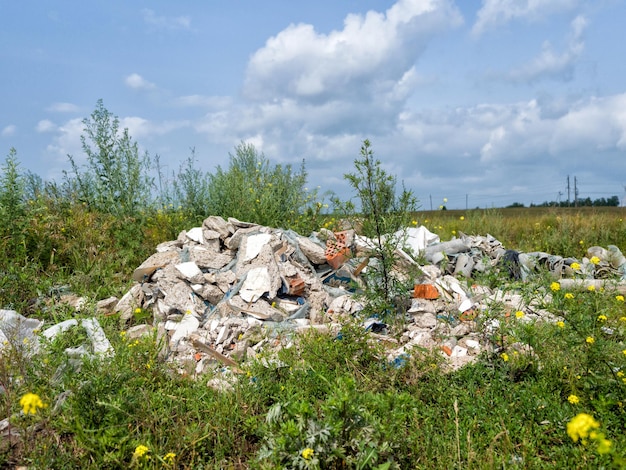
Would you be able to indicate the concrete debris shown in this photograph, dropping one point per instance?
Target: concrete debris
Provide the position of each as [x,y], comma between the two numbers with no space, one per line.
[228,290]
[25,334]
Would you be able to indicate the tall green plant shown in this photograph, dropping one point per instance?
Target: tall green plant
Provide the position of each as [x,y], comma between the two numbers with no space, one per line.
[191,188]
[115,178]
[12,203]
[11,188]
[384,217]
[254,190]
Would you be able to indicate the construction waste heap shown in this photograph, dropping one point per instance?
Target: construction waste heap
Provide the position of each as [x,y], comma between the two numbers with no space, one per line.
[224,292]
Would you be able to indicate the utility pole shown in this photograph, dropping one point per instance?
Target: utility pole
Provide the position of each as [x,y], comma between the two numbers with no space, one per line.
[568,191]
[575,193]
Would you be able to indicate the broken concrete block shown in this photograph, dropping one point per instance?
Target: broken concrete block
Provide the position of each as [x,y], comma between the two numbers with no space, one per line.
[219,225]
[106,306]
[129,302]
[208,259]
[313,251]
[154,262]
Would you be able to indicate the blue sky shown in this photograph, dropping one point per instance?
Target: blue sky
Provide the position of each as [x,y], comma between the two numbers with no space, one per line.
[484,103]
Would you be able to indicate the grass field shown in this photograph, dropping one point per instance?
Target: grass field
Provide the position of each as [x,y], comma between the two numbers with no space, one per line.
[329,404]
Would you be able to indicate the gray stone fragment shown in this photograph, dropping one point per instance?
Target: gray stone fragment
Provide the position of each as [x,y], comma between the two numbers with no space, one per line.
[425,320]
[207,259]
[154,262]
[219,225]
[129,302]
[312,250]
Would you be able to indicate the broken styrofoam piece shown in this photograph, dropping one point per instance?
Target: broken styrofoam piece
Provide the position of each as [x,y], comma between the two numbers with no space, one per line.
[418,238]
[254,244]
[55,330]
[19,331]
[257,283]
[100,343]
[188,325]
[190,271]
[196,235]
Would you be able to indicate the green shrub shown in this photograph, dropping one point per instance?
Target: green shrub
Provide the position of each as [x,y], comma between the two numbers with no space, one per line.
[115,178]
[253,190]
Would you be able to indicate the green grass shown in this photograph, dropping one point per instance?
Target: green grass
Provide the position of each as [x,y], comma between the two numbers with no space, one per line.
[337,397]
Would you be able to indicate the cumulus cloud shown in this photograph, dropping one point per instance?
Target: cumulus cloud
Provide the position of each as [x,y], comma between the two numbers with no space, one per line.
[9,130]
[369,57]
[165,22]
[66,140]
[63,108]
[498,12]
[137,82]
[45,125]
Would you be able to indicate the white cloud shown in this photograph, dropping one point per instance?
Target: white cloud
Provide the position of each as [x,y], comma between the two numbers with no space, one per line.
[497,12]
[368,57]
[165,22]
[137,82]
[63,108]
[551,64]
[67,141]
[45,125]
[140,128]
[9,130]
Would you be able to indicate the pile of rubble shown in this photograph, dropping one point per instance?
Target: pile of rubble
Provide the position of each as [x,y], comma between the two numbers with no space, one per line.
[228,290]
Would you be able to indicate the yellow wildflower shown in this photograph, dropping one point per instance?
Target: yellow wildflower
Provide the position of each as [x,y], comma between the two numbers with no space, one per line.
[140,451]
[619,298]
[555,286]
[590,340]
[575,266]
[414,222]
[30,403]
[169,458]
[624,352]
[560,324]
[137,310]
[504,356]
[462,218]
[569,296]
[573,399]
[519,314]
[580,426]
[620,373]
[591,288]
[622,319]
[307,453]
[594,260]
[604,446]
[602,318]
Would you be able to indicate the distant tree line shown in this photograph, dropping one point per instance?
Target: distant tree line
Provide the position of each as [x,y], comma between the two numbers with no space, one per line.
[612,201]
